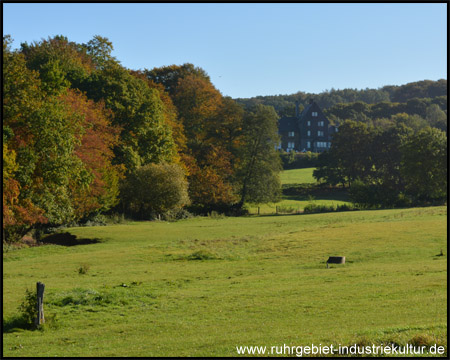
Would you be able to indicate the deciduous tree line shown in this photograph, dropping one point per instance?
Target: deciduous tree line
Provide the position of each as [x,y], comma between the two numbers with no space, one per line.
[387,165]
[412,98]
[83,135]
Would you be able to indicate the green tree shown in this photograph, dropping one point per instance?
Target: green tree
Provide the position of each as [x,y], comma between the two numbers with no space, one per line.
[99,49]
[60,62]
[414,121]
[329,170]
[257,177]
[388,157]
[425,165]
[436,117]
[352,150]
[138,111]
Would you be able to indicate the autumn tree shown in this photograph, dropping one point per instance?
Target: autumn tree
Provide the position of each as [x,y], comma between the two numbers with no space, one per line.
[95,149]
[211,126]
[57,147]
[169,76]
[21,96]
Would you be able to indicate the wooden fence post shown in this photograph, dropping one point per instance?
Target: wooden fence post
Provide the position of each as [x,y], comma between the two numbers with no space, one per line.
[40,303]
[258,210]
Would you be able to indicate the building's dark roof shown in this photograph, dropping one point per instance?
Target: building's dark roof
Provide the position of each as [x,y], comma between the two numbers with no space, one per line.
[287,123]
[305,111]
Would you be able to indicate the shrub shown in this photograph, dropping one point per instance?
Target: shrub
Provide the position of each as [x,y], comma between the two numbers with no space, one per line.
[176,214]
[366,196]
[286,209]
[345,207]
[314,208]
[153,189]
[215,215]
[116,218]
[28,309]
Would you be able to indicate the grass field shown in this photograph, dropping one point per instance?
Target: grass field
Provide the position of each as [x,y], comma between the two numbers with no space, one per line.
[298,203]
[203,286]
[298,176]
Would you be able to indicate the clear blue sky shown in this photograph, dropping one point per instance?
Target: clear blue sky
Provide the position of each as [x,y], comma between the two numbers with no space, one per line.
[257,49]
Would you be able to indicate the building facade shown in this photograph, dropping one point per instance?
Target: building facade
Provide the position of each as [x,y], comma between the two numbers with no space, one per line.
[309,130]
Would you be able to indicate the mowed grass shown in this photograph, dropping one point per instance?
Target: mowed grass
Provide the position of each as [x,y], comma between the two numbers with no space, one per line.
[298,176]
[298,203]
[203,286]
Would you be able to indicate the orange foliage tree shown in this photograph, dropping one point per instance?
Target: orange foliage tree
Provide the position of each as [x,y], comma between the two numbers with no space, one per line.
[95,150]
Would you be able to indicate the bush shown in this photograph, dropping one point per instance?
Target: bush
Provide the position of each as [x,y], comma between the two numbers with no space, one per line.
[285,209]
[28,309]
[154,189]
[314,208]
[366,196]
[176,214]
[345,207]
[116,218]
[215,215]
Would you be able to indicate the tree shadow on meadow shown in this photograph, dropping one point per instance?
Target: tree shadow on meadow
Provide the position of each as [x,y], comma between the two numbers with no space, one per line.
[67,239]
[15,324]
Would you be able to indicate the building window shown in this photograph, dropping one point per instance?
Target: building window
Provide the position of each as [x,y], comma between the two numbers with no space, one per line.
[309,123]
[320,133]
[308,144]
[329,144]
[320,123]
[308,133]
[291,145]
[314,114]
[291,134]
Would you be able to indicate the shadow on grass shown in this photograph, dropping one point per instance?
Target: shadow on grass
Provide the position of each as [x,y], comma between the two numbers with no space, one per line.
[67,239]
[15,324]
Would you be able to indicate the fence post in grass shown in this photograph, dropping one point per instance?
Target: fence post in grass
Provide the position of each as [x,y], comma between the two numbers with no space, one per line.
[258,214]
[40,303]
[276,209]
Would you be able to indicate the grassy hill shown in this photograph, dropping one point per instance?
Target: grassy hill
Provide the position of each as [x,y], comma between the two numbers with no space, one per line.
[203,286]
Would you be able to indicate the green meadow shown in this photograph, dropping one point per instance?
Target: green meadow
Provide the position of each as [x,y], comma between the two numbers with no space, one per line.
[298,176]
[204,286]
[296,203]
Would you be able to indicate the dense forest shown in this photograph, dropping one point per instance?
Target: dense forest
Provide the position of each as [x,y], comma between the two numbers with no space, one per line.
[411,98]
[83,135]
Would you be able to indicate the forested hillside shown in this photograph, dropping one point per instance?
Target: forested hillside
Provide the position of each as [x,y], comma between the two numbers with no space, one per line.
[427,99]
